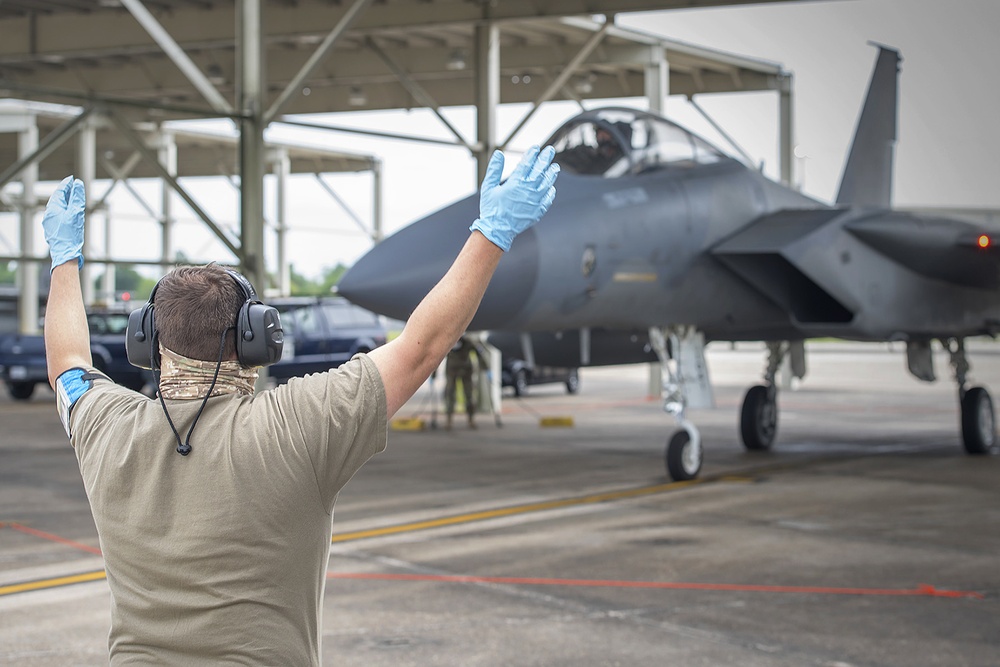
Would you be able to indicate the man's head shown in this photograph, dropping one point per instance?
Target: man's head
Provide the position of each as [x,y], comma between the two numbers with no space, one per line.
[194,305]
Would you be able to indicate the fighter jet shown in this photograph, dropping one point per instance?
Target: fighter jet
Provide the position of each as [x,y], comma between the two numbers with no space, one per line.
[658,242]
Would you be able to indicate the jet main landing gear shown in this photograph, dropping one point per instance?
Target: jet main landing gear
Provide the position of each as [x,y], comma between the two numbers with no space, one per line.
[759,415]
[979,429]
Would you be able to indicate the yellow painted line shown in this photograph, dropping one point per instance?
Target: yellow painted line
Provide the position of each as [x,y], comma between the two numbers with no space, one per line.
[513,510]
[457,519]
[415,424]
[52,583]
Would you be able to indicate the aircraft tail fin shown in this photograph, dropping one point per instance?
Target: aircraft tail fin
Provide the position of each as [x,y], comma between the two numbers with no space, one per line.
[867,177]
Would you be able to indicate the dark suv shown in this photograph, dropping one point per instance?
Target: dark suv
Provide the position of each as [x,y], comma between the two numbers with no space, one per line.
[323,333]
[22,358]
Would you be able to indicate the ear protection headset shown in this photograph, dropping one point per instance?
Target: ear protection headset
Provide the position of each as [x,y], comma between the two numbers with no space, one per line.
[259,338]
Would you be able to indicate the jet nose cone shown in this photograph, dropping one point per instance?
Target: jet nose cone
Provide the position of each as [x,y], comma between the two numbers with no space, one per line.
[393,277]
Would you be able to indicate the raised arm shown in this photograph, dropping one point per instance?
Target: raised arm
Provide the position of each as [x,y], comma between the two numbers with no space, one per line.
[505,210]
[67,338]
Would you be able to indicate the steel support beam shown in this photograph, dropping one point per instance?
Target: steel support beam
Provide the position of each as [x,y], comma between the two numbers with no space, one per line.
[726,135]
[117,175]
[251,85]
[487,38]
[347,209]
[657,80]
[417,91]
[52,141]
[563,77]
[167,156]
[377,201]
[786,131]
[86,171]
[133,138]
[321,53]
[282,171]
[27,272]
[177,55]
[371,133]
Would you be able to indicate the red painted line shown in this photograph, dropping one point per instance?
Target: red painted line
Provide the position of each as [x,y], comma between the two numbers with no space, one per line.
[924,590]
[53,538]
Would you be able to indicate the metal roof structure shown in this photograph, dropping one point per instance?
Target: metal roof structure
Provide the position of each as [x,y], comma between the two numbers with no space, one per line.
[97,49]
[133,64]
[198,153]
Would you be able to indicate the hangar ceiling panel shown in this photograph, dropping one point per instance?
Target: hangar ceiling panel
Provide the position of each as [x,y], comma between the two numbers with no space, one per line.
[96,49]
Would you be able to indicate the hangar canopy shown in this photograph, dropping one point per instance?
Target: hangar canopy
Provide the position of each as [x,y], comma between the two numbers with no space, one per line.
[137,63]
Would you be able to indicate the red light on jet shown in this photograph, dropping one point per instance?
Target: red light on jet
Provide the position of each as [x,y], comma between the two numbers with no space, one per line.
[984,241]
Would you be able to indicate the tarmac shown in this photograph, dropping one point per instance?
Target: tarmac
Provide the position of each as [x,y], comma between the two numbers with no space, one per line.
[865,537]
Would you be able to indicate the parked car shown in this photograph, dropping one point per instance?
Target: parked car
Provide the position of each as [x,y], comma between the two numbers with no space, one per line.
[519,375]
[320,333]
[22,358]
[323,333]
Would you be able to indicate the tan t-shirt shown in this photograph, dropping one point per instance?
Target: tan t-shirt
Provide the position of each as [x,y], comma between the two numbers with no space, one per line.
[221,556]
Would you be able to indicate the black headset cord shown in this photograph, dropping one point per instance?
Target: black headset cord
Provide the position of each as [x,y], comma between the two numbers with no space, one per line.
[185,448]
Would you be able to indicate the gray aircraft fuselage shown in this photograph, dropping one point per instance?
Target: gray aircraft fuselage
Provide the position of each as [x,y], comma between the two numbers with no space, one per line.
[652,226]
[717,246]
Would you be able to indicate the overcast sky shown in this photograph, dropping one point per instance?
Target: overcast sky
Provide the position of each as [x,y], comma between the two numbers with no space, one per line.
[946,155]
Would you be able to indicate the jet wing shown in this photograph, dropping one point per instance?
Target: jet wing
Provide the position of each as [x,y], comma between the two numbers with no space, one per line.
[769,253]
[870,273]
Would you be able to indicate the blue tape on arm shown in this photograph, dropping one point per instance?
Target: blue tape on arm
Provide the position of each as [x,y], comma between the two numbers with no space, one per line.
[70,386]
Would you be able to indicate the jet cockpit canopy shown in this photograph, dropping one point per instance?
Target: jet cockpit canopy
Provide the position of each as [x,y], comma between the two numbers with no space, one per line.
[616,141]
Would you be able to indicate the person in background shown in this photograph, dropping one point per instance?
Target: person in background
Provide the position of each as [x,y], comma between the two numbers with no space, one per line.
[460,365]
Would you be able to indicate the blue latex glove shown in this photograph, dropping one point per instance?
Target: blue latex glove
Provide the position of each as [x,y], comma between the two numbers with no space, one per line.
[63,222]
[507,209]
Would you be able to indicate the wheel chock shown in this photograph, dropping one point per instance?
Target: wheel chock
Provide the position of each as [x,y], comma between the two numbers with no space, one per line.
[408,424]
[556,422]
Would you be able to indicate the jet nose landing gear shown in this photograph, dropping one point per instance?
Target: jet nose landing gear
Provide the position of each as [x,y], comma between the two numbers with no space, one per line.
[683,455]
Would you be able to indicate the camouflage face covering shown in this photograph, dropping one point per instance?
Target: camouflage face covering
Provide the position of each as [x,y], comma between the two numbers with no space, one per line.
[185,378]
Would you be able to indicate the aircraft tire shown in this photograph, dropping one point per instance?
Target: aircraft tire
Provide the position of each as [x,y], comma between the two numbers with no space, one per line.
[520,382]
[758,418]
[979,432]
[683,463]
[21,391]
[573,382]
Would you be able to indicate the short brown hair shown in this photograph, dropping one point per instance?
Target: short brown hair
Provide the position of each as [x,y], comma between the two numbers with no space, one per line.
[193,306]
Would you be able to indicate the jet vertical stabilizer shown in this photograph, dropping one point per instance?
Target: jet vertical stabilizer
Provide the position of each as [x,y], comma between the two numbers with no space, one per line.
[867,177]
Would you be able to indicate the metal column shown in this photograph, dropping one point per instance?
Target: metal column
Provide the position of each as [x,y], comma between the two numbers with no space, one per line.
[27,272]
[251,143]
[487,93]
[86,171]
[108,281]
[282,169]
[785,130]
[657,80]
[167,154]
[377,232]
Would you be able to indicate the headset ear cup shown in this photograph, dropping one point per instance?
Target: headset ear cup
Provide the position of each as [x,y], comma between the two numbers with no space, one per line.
[140,343]
[265,341]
